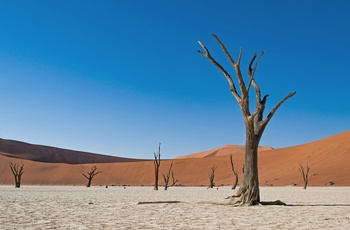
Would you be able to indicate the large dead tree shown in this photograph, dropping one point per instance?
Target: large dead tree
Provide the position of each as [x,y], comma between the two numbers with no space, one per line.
[212,176]
[156,163]
[235,173]
[89,175]
[255,123]
[305,174]
[17,173]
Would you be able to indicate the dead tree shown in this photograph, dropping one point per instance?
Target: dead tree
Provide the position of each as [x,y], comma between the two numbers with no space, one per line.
[235,173]
[90,175]
[167,177]
[255,123]
[305,174]
[156,163]
[212,175]
[17,173]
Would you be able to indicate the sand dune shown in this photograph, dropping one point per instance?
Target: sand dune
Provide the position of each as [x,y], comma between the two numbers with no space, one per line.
[22,150]
[222,151]
[328,160]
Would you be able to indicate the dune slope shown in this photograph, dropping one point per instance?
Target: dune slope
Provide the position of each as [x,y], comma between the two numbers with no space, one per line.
[22,150]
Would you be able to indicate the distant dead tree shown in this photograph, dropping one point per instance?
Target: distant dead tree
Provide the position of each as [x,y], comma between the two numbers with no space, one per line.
[167,178]
[235,173]
[17,173]
[156,163]
[90,175]
[305,174]
[212,175]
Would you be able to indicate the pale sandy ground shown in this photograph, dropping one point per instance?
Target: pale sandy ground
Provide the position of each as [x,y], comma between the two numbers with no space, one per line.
[59,207]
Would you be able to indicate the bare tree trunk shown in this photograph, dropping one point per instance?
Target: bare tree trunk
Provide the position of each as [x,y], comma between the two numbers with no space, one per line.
[248,192]
[255,123]
[156,163]
[17,173]
[305,175]
[90,175]
[212,175]
[235,173]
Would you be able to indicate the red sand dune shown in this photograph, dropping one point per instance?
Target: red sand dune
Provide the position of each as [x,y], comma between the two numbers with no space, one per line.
[328,159]
[222,151]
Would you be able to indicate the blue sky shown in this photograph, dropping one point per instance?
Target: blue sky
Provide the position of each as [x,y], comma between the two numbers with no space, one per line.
[118,77]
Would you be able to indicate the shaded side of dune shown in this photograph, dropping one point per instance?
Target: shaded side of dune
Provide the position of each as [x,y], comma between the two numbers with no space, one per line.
[40,153]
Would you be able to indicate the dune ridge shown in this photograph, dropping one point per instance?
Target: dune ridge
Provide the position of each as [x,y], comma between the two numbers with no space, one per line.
[222,151]
[41,153]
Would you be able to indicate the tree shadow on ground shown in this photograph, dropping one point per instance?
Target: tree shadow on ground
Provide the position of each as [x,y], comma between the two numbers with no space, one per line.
[263,203]
[318,205]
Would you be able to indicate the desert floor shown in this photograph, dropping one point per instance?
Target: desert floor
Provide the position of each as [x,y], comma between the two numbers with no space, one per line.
[60,207]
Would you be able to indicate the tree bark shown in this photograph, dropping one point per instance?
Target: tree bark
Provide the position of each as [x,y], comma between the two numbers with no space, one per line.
[248,192]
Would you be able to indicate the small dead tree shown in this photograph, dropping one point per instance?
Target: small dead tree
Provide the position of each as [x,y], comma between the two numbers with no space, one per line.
[156,163]
[305,174]
[212,175]
[235,173]
[17,173]
[90,175]
[167,178]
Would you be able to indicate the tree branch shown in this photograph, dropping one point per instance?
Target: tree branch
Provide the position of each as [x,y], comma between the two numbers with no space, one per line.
[235,66]
[173,178]
[207,55]
[251,73]
[268,118]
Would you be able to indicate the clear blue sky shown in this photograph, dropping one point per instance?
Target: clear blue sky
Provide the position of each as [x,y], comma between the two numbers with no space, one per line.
[118,77]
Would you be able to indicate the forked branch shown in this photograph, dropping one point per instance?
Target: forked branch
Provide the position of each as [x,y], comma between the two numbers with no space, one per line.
[268,118]
[251,71]
[167,177]
[174,181]
[207,55]
[236,66]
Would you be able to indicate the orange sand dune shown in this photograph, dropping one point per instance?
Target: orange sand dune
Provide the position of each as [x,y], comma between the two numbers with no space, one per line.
[222,151]
[328,160]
